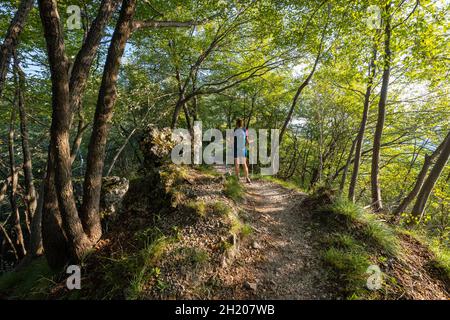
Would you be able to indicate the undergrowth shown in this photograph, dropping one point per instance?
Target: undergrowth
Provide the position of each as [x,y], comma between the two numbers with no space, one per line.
[233,188]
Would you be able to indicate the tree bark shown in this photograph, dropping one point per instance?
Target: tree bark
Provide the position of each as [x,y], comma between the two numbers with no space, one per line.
[106,99]
[362,129]
[420,178]
[377,204]
[78,243]
[12,38]
[78,138]
[428,185]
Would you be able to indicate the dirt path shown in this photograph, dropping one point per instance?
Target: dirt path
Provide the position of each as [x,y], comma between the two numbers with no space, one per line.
[280,259]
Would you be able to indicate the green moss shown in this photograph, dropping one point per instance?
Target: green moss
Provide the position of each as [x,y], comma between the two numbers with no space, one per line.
[246,230]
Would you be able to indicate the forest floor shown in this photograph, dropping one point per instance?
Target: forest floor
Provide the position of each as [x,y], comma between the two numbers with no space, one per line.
[206,236]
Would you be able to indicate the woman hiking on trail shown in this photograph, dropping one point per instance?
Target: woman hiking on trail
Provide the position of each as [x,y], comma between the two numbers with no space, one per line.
[240,152]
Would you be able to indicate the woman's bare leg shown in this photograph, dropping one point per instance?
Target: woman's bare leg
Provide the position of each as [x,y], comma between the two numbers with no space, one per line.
[236,167]
[244,164]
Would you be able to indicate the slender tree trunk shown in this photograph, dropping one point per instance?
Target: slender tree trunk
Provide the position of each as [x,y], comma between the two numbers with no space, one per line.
[120,151]
[27,164]
[420,178]
[362,129]
[377,204]
[9,241]
[347,165]
[19,241]
[298,93]
[12,38]
[305,82]
[103,113]
[428,185]
[81,128]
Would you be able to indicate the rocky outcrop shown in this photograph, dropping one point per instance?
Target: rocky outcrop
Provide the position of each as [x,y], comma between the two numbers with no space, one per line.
[113,190]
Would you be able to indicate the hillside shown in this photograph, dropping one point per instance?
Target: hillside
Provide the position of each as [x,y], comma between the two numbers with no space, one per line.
[220,239]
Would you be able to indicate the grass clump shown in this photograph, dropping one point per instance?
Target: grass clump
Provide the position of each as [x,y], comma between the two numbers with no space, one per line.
[442,257]
[233,189]
[207,170]
[349,261]
[288,184]
[381,233]
[370,225]
[32,282]
[195,256]
[199,207]
[128,275]
[344,207]
[220,208]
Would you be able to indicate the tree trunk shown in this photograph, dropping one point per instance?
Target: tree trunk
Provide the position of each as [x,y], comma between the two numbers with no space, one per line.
[305,82]
[55,238]
[19,241]
[78,138]
[362,129]
[86,55]
[12,38]
[420,178]
[377,204]
[347,165]
[27,164]
[107,96]
[78,243]
[428,185]
[298,93]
